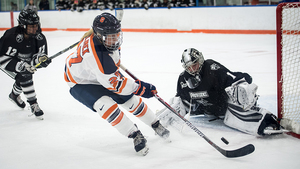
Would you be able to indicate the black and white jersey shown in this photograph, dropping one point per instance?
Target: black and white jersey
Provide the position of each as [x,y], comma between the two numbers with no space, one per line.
[209,96]
[14,47]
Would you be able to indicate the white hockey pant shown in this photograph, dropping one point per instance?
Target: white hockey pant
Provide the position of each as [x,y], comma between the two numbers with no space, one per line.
[245,121]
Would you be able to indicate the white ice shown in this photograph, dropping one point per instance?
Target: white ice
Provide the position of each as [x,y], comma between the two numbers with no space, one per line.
[73,137]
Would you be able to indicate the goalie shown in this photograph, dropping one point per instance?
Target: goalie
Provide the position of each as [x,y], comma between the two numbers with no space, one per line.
[207,87]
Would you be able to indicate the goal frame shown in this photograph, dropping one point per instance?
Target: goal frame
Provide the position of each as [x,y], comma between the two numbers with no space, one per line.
[279,61]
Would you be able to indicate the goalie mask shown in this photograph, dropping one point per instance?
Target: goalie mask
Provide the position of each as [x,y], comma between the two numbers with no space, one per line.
[107,30]
[29,21]
[192,61]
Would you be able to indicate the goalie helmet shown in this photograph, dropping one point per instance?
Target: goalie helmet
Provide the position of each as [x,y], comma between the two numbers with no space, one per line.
[192,61]
[107,30]
[29,17]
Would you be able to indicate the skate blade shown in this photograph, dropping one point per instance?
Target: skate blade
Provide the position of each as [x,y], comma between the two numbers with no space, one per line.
[15,104]
[39,117]
[144,151]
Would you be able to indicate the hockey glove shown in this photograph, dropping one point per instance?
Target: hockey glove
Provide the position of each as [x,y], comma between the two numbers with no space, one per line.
[25,68]
[41,60]
[145,90]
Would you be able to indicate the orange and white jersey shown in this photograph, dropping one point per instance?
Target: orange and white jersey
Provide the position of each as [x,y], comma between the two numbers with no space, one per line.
[91,63]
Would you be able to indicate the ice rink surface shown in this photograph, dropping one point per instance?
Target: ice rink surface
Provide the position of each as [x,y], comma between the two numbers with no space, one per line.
[73,137]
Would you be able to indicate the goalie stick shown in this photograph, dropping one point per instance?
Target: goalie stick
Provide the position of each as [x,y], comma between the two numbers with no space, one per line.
[248,149]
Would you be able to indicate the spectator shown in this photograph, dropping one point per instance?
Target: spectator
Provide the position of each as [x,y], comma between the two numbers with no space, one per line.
[183,3]
[129,3]
[166,3]
[193,2]
[121,4]
[174,3]
[155,3]
[44,5]
[80,6]
[145,4]
[137,4]
[101,5]
[71,5]
[31,6]
[93,4]
[61,5]
[109,4]
[14,6]
[87,4]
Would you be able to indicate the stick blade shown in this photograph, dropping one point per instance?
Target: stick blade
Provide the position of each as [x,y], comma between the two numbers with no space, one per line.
[248,149]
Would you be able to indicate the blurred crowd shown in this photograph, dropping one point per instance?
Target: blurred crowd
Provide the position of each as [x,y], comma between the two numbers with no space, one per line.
[80,5]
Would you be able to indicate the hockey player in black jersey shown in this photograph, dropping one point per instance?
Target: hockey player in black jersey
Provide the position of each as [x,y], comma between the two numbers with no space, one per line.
[21,49]
[209,88]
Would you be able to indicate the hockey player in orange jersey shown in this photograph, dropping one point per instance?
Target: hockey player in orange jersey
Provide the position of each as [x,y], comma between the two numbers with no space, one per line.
[93,75]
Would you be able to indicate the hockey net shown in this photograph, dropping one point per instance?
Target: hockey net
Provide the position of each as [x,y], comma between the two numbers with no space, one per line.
[288,65]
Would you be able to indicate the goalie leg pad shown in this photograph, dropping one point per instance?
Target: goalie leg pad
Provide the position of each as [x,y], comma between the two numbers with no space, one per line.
[109,111]
[168,118]
[246,121]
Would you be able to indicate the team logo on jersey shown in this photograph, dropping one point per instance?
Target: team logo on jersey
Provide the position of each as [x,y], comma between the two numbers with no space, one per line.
[214,66]
[39,37]
[199,95]
[19,38]
[183,85]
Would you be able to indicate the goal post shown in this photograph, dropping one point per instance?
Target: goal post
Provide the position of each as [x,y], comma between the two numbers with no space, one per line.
[288,65]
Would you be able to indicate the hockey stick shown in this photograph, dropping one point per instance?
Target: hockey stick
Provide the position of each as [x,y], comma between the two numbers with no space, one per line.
[58,53]
[248,149]
[9,73]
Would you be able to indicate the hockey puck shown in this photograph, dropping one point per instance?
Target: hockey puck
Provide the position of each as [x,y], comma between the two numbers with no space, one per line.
[224,140]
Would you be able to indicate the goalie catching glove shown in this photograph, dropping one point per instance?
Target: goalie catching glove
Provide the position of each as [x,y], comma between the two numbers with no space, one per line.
[41,60]
[145,90]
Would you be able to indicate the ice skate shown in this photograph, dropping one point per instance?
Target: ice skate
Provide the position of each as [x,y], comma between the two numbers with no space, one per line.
[160,130]
[273,127]
[36,110]
[139,143]
[17,100]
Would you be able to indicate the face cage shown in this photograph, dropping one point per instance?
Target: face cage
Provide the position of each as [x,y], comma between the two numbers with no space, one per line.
[32,35]
[189,67]
[111,41]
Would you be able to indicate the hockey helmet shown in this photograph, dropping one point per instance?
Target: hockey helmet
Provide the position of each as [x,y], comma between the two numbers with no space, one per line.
[192,61]
[107,29]
[29,17]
